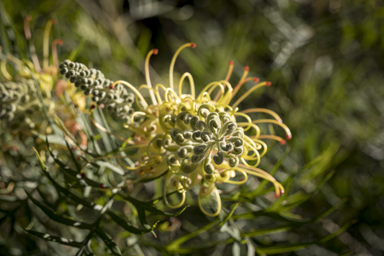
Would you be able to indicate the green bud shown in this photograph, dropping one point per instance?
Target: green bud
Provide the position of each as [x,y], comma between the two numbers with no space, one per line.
[193,122]
[209,168]
[204,112]
[64,71]
[224,117]
[195,159]
[174,132]
[238,143]
[200,149]
[172,161]
[179,138]
[182,152]
[88,91]
[226,146]
[210,178]
[233,162]
[200,125]
[218,158]
[187,134]
[238,151]
[206,136]
[238,133]
[158,143]
[228,128]
[188,168]
[196,136]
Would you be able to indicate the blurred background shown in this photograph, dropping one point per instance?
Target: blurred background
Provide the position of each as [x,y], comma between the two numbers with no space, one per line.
[323,57]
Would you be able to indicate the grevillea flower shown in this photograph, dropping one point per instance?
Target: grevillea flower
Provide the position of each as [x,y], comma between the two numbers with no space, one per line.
[190,140]
[20,104]
[118,101]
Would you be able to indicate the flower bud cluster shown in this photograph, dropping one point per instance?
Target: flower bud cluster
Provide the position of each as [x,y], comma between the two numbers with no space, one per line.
[187,140]
[116,99]
[19,103]
[207,139]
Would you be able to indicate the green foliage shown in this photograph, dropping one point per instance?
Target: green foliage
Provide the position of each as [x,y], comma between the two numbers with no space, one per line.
[324,60]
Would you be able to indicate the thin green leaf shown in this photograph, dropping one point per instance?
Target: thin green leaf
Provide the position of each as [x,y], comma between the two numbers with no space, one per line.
[4,37]
[148,206]
[298,223]
[78,166]
[142,216]
[108,241]
[52,215]
[229,214]
[176,243]
[73,174]
[92,205]
[128,227]
[263,183]
[70,195]
[151,179]
[52,238]
[53,138]
[290,248]
[39,159]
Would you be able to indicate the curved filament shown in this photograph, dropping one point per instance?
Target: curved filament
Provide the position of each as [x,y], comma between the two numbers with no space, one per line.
[241,82]
[167,98]
[54,51]
[265,147]
[235,182]
[192,45]
[257,129]
[151,92]
[218,204]
[157,92]
[263,110]
[191,84]
[227,77]
[279,189]
[27,30]
[170,205]
[229,71]
[248,93]
[147,77]
[288,132]
[3,67]
[238,86]
[211,86]
[144,102]
[273,137]
[137,113]
[32,49]
[46,43]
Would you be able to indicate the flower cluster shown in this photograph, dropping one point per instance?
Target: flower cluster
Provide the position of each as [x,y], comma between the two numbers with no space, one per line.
[33,86]
[198,137]
[18,103]
[196,141]
[117,100]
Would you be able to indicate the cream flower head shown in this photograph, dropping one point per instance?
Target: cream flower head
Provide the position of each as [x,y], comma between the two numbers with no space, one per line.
[189,140]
